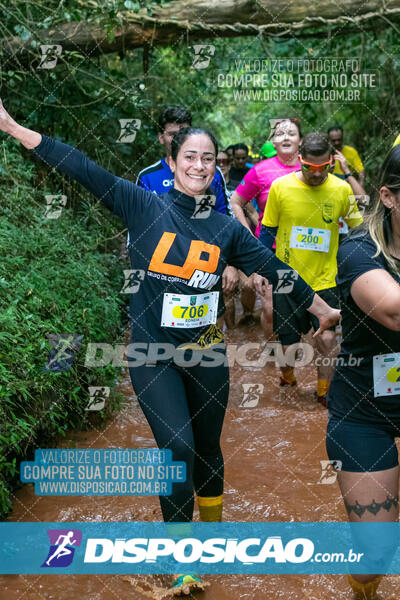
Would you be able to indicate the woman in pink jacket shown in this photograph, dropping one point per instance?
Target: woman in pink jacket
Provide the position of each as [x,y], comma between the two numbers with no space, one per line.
[256,184]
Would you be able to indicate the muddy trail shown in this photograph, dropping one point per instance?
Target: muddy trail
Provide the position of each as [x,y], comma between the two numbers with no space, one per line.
[272,457]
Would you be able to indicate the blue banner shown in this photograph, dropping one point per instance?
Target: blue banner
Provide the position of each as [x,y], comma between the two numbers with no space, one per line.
[104,472]
[204,548]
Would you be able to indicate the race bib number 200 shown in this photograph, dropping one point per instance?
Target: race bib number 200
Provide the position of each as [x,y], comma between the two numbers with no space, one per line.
[310,238]
[386,371]
[181,310]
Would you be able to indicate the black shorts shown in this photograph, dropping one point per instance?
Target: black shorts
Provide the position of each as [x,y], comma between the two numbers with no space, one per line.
[362,447]
[291,320]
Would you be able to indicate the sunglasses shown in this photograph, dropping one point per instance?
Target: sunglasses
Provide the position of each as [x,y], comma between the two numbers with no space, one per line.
[223,161]
[307,166]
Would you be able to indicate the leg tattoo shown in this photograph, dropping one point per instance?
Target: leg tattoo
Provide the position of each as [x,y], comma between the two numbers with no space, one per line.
[373,507]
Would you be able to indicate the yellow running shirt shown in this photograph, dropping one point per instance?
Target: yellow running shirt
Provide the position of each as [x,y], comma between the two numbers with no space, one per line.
[307,220]
[396,141]
[353,160]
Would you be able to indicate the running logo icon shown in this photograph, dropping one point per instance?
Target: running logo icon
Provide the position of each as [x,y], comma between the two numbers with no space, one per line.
[273,123]
[202,56]
[63,543]
[62,351]
[133,279]
[204,205]
[251,394]
[358,204]
[286,280]
[98,397]
[50,54]
[54,207]
[129,128]
[329,471]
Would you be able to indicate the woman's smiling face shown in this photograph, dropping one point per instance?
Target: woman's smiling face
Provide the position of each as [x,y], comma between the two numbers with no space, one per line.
[194,168]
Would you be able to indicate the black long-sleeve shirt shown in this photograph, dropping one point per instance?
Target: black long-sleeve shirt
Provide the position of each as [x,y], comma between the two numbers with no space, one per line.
[172,251]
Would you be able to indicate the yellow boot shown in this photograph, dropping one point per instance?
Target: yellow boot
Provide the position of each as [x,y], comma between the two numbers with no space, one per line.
[210,508]
[364,591]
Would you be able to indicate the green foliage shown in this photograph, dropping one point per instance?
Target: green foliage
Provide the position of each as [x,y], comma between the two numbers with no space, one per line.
[56,276]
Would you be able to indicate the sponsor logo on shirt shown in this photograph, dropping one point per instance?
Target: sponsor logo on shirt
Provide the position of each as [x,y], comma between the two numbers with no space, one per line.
[327,213]
[199,267]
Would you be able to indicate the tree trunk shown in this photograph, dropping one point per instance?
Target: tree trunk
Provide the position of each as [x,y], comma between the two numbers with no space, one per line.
[191,20]
[264,12]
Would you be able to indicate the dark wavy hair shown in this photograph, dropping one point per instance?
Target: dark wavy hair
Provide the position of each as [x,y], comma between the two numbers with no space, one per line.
[183,134]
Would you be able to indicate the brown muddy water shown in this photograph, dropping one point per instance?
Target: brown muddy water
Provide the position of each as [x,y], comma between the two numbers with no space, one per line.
[272,468]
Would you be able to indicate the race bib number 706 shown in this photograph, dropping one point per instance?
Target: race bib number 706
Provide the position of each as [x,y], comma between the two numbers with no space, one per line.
[182,310]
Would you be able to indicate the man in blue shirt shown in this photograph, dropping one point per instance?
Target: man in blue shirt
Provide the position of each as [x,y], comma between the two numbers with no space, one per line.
[159,178]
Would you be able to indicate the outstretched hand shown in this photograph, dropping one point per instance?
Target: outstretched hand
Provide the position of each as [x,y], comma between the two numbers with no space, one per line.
[28,138]
[7,124]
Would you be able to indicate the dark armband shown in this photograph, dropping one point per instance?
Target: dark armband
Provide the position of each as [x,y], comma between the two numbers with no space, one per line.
[267,236]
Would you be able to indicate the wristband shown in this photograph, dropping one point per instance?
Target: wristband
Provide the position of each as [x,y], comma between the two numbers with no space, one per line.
[347,175]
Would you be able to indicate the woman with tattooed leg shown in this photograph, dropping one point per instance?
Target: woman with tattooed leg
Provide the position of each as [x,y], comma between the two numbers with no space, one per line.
[364,397]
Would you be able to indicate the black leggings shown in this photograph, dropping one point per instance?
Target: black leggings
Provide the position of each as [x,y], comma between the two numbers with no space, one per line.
[185,408]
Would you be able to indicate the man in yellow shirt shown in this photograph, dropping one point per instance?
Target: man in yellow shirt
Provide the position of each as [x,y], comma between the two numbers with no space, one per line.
[351,155]
[397,140]
[303,212]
